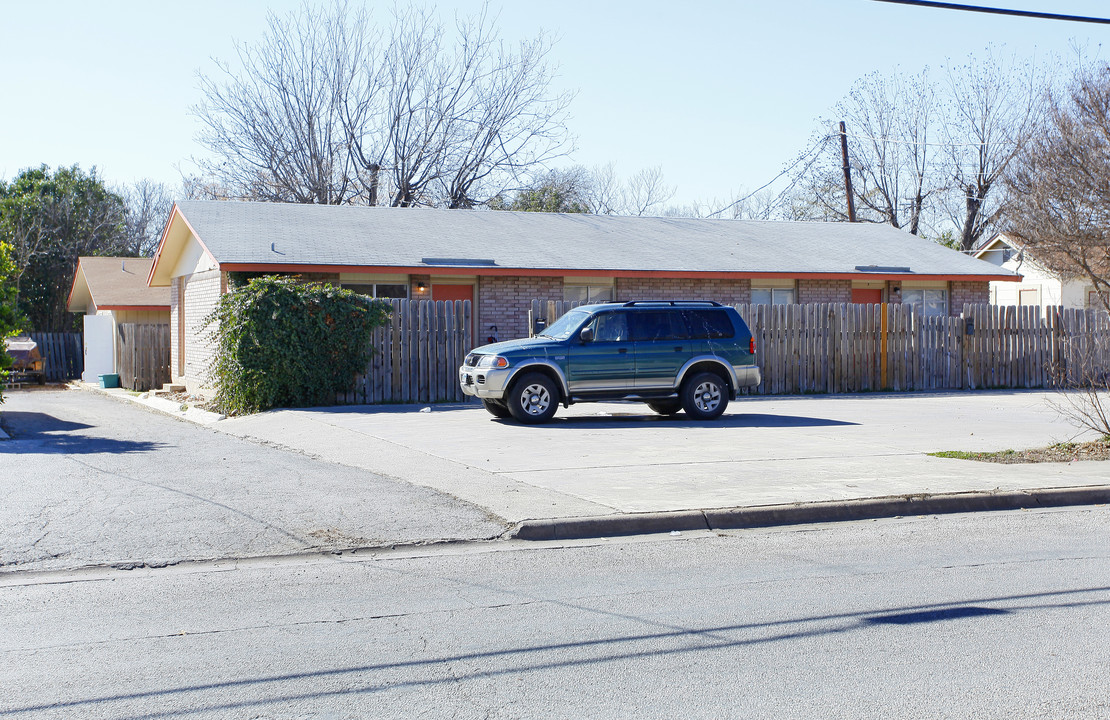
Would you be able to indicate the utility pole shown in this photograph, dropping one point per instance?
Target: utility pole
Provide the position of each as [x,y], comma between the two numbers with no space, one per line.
[847,172]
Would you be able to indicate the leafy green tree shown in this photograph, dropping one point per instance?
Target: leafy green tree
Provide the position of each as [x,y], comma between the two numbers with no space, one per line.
[556,191]
[50,219]
[10,320]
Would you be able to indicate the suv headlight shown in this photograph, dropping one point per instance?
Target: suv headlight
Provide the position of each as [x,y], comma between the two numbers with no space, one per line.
[493,361]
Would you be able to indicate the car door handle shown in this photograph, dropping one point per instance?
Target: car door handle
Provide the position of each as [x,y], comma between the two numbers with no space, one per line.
[622,351]
[678,348]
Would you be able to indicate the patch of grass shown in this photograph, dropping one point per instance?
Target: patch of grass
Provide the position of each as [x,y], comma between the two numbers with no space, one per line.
[1059,452]
[1000,456]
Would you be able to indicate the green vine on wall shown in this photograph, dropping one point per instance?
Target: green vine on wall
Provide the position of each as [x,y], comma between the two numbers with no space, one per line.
[281,342]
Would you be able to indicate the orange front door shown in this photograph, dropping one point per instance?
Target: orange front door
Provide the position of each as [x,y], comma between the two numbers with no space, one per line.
[861,296]
[457,292]
[452,292]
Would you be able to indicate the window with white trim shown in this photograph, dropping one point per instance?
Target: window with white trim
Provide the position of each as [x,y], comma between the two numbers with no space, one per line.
[593,292]
[379,290]
[772,296]
[933,300]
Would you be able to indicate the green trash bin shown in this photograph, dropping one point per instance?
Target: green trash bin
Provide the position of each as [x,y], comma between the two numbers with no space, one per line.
[109,381]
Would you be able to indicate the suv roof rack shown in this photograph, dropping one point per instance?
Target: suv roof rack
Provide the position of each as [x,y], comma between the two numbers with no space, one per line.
[712,303]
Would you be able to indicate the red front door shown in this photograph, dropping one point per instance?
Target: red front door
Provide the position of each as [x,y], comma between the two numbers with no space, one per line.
[861,296]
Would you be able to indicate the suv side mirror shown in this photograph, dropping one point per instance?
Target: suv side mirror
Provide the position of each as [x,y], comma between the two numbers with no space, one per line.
[586,335]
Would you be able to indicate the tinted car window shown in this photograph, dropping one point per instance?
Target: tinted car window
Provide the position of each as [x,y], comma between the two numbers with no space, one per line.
[611,327]
[709,324]
[650,325]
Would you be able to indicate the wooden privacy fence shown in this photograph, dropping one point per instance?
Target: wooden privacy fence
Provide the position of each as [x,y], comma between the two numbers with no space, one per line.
[548,311]
[839,348]
[845,348]
[143,355]
[416,355]
[64,355]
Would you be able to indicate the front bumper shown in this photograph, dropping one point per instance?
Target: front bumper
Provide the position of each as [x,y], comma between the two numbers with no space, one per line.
[485,383]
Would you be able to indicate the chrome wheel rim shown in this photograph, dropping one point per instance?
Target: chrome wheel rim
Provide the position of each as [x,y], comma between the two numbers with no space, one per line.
[535,399]
[707,396]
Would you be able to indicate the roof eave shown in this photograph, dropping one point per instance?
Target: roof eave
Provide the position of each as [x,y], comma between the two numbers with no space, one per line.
[485,270]
[168,239]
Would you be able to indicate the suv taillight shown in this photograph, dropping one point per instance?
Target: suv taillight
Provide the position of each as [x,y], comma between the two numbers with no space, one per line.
[751,345]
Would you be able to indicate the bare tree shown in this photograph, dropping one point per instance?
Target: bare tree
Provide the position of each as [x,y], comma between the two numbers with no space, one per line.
[1059,188]
[894,171]
[890,119]
[327,110]
[994,106]
[148,204]
[276,127]
[646,192]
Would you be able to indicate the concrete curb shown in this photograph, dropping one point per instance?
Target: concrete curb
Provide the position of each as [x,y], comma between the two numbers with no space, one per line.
[806,513]
[162,405]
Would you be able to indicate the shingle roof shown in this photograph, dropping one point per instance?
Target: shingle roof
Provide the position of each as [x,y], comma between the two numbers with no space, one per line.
[271,233]
[120,282]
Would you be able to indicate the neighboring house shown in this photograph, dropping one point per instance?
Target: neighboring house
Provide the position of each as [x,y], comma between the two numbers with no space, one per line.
[110,291]
[1039,286]
[502,260]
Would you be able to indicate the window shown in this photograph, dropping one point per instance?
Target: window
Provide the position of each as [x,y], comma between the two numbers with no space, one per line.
[709,324]
[379,290]
[596,292]
[1029,296]
[772,296]
[933,300]
[611,327]
[655,325]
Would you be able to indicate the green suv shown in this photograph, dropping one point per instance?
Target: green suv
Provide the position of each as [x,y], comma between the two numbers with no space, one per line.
[690,356]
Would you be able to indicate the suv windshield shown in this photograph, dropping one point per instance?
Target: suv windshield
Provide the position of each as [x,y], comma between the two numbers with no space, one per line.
[562,328]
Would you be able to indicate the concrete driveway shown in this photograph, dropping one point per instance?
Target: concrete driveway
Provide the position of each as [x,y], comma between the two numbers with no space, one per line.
[600,459]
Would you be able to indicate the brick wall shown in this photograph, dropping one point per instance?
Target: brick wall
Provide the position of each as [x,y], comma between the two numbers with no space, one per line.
[966,291]
[175,326]
[504,302]
[414,292]
[891,296]
[824,291]
[656,288]
[202,292]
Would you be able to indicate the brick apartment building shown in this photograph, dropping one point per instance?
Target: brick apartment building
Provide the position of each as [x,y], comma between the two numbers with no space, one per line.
[502,260]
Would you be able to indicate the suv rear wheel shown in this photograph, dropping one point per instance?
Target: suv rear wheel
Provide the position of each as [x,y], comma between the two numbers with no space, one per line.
[533,398]
[704,396]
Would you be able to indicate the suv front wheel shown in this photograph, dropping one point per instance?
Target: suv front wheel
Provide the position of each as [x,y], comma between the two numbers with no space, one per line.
[533,398]
[704,396]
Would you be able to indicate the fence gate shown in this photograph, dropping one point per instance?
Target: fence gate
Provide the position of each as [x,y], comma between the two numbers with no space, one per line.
[63,353]
[143,355]
[416,355]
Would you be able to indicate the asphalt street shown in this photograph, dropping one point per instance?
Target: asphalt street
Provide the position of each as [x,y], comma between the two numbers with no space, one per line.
[90,480]
[1000,615]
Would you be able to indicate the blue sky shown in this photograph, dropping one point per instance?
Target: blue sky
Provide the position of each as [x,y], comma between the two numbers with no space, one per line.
[722,95]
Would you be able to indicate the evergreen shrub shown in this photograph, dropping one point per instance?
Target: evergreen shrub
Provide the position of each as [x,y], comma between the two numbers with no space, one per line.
[281,342]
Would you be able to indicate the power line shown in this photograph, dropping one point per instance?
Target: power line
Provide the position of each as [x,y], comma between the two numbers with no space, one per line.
[816,146]
[882,139]
[999,11]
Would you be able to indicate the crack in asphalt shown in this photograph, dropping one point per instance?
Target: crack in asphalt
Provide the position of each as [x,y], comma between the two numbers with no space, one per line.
[236,511]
